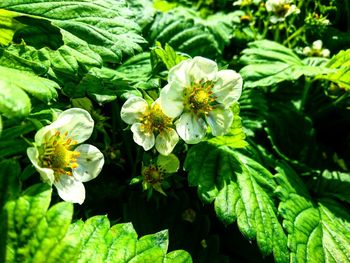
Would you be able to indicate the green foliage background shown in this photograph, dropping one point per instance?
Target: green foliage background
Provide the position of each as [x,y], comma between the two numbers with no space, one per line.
[274,189]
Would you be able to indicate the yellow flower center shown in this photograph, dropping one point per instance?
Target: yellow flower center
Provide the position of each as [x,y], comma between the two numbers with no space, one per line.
[153,174]
[154,120]
[282,10]
[199,98]
[58,155]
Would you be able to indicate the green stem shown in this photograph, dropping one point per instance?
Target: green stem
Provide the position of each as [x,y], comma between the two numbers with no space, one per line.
[347,8]
[305,94]
[295,34]
[117,125]
[276,35]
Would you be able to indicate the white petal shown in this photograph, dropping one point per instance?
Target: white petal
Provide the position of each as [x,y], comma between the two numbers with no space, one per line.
[47,175]
[325,53]
[90,163]
[317,44]
[191,128]
[144,139]
[70,190]
[202,69]
[171,99]
[166,141]
[133,110]
[220,121]
[179,73]
[76,122]
[228,87]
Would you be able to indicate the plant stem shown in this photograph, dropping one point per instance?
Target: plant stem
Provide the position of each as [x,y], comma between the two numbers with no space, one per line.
[305,94]
[295,34]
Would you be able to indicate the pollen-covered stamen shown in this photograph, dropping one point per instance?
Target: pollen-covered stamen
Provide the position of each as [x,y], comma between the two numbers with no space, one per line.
[282,10]
[58,154]
[154,120]
[153,174]
[199,98]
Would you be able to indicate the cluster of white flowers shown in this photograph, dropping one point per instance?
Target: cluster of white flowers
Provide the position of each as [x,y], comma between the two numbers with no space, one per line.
[196,97]
[316,50]
[280,9]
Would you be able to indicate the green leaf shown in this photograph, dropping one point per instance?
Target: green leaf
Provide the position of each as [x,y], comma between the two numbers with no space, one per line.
[268,63]
[333,184]
[14,101]
[105,25]
[8,26]
[296,144]
[34,233]
[167,56]
[318,230]
[341,73]
[184,30]
[242,190]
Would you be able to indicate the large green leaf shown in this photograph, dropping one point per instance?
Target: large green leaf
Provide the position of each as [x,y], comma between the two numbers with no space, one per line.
[318,230]
[269,62]
[104,24]
[8,26]
[14,86]
[292,134]
[36,234]
[186,31]
[333,184]
[241,189]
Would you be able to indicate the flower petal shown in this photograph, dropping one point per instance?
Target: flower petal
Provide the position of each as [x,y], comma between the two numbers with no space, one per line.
[171,99]
[202,69]
[133,109]
[179,73]
[191,128]
[220,121]
[166,141]
[47,175]
[76,122]
[142,138]
[90,163]
[70,190]
[228,87]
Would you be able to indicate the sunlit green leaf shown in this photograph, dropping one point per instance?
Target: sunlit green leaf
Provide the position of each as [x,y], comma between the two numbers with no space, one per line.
[35,233]
[14,101]
[105,25]
[269,62]
[242,190]
[318,230]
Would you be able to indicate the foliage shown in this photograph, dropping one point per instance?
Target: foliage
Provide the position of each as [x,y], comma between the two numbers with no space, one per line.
[272,186]
[42,235]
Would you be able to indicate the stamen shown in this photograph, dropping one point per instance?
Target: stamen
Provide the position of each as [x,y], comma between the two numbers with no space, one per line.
[57,154]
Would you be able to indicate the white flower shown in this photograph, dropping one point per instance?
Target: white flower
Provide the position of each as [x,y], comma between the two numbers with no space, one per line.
[150,126]
[280,9]
[316,50]
[200,95]
[59,161]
